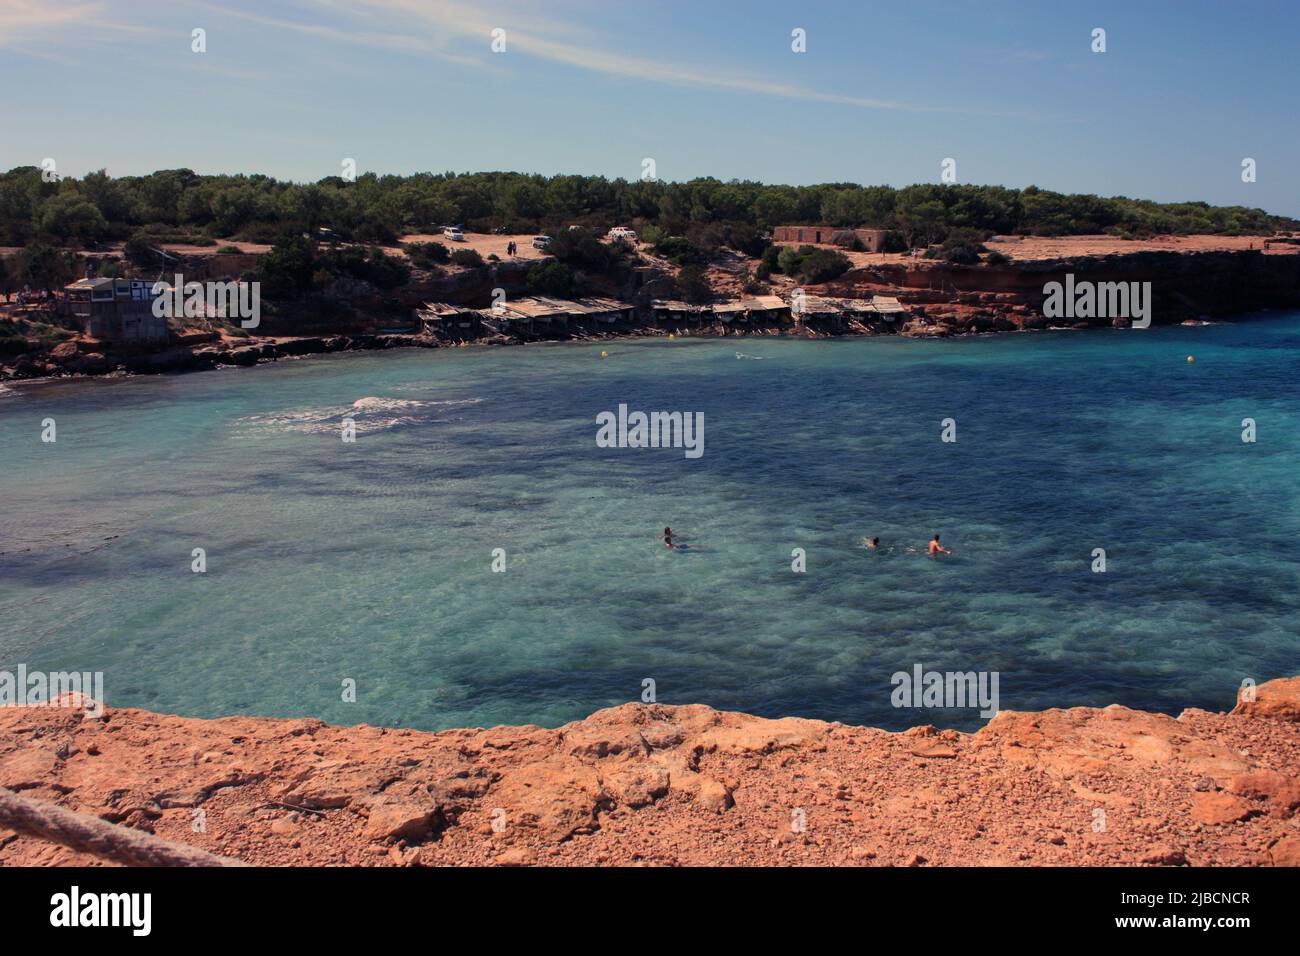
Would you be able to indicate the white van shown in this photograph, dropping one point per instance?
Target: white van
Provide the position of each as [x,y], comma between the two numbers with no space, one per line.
[541,242]
[455,233]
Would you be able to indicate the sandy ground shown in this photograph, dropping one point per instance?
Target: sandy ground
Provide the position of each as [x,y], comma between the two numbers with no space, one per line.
[1047,247]
[483,243]
[1029,248]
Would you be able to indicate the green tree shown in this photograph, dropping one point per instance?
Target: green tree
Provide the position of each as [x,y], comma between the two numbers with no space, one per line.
[44,267]
[71,216]
[693,285]
[287,269]
[551,278]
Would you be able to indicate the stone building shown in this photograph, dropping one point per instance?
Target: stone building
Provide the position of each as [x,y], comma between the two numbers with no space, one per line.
[870,240]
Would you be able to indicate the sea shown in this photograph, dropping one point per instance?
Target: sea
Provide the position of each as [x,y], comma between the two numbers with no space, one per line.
[434,538]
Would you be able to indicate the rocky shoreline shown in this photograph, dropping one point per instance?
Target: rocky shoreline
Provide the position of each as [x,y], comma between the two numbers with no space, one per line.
[648,784]
[941,299]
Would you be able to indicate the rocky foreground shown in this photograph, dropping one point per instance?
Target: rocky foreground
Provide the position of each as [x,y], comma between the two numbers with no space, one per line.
[661,785]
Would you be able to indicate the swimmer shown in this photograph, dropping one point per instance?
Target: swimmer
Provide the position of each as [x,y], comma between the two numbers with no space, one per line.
[668,538]
[873,544]
[936,548]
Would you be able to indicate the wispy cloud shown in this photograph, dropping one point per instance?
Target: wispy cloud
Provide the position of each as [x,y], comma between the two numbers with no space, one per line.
[39,27]
[453,30]
[427,25]
[395,42]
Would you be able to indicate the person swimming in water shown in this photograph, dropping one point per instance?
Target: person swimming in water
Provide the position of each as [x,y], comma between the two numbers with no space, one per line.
[936,548]
[873,544]
[668,538]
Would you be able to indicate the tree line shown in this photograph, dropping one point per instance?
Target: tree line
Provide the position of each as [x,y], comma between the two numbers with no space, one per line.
[179,205]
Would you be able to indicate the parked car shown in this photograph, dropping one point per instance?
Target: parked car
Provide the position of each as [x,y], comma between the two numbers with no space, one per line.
[622,232]
[455,233]
[541,242]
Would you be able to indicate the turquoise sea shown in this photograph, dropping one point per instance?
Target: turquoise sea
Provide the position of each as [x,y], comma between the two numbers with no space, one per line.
[372,561]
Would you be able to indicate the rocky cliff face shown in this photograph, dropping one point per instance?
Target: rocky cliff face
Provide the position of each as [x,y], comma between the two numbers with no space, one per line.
[949,299]
[942,299]
[653,784]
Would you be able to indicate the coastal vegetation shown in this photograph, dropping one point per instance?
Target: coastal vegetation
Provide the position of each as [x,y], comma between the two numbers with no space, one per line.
[179,205]
[962,246]
[806,263]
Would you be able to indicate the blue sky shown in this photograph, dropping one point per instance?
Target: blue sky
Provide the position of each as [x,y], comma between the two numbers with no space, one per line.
[1010,90]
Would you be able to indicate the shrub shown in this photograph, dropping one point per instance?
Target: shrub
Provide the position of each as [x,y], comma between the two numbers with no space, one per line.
[748,239]
[808,263]
[139,251]
[679,249]
[822,265]
[962,247]
[365,265]
[287,269]
[469,258]
[551,278]
[426,254]
[693,285]
[789,260]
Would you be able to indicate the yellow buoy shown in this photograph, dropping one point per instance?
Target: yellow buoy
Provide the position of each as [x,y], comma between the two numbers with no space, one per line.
[1190,360]
[604,355]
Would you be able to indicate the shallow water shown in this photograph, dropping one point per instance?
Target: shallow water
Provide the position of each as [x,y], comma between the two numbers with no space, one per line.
[372,561]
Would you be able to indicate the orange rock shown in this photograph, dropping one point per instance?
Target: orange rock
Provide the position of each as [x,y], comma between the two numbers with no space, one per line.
[516,856]
[28,768]
[714,795]
[637,786]
[677,785]
[940,753]
[400,821]
[1276,699]
[1218,808]
[1282,793]
[1285,852]
[1165,855]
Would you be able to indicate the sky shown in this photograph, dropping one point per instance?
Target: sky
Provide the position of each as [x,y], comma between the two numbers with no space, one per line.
[883,93]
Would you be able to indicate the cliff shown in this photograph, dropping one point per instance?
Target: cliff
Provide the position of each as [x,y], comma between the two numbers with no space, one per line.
[655,784]
[941,299]
[1185,286]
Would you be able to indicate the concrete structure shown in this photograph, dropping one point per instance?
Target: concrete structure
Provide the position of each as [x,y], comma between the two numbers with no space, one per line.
[115,309]
[870,240]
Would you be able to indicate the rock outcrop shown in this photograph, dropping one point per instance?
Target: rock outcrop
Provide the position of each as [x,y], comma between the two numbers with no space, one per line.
[940,299]
[654,784]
